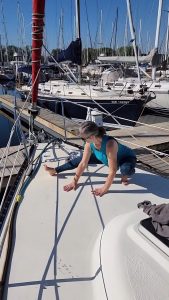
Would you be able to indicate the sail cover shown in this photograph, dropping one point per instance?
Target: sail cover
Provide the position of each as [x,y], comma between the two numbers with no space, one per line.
[72,53]
[154,58]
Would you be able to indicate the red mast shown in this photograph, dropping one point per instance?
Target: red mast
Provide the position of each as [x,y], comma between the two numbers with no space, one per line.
[37,42]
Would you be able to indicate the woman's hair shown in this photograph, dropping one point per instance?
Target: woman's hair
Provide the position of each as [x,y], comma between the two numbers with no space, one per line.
[89,128]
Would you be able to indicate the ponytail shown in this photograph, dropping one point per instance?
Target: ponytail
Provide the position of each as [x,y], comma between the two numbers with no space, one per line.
[101,131]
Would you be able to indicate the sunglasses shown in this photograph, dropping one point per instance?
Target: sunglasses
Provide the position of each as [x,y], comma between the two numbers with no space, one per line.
[84,139]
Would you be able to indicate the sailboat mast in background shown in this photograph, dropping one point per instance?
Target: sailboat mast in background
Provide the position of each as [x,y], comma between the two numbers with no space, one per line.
[133,35]
[78,33]
[157,35]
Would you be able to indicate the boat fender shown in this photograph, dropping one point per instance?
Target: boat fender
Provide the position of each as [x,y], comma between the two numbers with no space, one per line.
[19,198]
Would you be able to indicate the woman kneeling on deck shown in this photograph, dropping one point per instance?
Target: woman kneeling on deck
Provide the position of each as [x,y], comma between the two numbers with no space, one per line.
[108,151]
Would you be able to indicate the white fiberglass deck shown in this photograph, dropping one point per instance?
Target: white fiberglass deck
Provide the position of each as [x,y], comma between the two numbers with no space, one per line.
[75,246]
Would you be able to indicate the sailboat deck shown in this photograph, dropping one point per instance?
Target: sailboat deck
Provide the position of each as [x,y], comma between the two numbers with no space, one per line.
[78,246]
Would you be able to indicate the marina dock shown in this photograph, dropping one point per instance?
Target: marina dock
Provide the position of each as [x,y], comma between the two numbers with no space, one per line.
[155,136]
[14,162]
[51,122]
[139,138]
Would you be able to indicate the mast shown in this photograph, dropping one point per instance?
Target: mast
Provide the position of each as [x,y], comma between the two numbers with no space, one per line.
[160,3]
[148,42]
[139,37]
[78,33]
[167,38]
[1,54]
[114,34]
[5,32]
[37,42]
[116,23]
[101,32]
[61,30]
[125,37]
[133,35]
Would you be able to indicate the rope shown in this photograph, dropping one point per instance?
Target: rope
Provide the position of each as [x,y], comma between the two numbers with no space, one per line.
[88,25]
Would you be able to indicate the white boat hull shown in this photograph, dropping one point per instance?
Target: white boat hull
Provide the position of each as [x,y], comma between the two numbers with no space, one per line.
[77,246]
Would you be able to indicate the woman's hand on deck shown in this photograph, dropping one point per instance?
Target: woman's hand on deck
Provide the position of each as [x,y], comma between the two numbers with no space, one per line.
[99,191]
[71,186]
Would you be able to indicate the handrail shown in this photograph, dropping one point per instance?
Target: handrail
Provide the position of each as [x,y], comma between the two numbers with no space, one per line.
[10,176]
[12,131]
[6,156]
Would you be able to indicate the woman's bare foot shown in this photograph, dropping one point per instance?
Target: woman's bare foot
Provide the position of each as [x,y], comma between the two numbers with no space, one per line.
[124,180]
[51,171]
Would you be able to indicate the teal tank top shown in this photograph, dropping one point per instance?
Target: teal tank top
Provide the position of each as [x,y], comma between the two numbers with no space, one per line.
[123,151]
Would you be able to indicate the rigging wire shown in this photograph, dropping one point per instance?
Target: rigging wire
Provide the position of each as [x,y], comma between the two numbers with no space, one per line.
[105,111]
[5,154]
[79,85]
[74,103]
[155,152]
[89,32]
[71,18]
[97,28]
[115,118]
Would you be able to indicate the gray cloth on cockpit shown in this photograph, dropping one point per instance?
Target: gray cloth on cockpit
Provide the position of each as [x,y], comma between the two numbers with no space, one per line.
[159,215]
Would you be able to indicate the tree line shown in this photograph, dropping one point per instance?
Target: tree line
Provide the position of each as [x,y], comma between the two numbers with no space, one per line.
[88,54]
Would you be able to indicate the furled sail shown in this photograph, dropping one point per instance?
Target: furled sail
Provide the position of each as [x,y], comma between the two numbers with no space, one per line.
[72,53]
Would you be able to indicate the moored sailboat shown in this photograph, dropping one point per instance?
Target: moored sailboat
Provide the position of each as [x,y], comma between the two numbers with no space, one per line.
[77,245]
[73,98]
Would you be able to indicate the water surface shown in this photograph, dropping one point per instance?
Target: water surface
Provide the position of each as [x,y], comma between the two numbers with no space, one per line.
[5,123]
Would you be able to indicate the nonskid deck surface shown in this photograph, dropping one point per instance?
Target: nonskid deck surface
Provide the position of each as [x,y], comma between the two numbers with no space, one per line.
[58,250]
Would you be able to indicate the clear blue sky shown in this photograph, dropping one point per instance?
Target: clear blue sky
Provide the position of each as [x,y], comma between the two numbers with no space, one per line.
[144,10]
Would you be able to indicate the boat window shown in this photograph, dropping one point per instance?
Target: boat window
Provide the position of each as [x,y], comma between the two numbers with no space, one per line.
[109,83]
[147,229]
[58,91]
[70,92]
[99,89]
[119,84]
[46,90]
[157,85]
[83,94]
